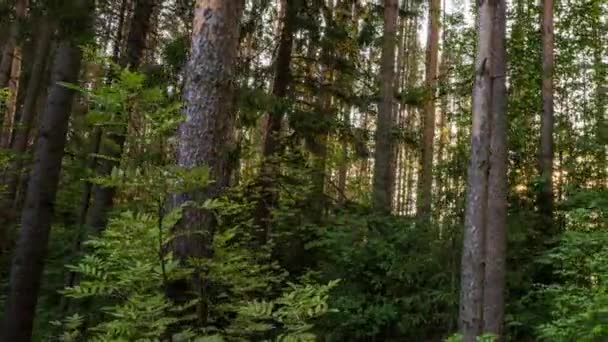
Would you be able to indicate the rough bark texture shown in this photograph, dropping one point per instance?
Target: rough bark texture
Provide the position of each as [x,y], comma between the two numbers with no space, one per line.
[37,215]
[428,134]
[205,138]
[545,196]
[272,126]
[103,197]
[472,267]
[13,94]
[28,111]
[383,155]
[6,61]
[496,228]
[10,69]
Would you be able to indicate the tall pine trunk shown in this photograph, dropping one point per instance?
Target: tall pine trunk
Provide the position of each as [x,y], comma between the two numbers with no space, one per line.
[97,133]
[472,266]
[10,110]
[383,155]
[272,145]
[425,180]
[26,120]
[28,111]
[28,261]
[496,226]
[6,60]
[103,197]
[545,196]
[484,248]
[10,67]
[205,138]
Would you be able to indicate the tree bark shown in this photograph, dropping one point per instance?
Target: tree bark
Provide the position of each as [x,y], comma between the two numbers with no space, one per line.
[545,196]
[496,228]
[6,61]
[472,275]
[443,128]
[28,112]
[103,197]
[205,138]
[425,181]
[344,159]
[97,133]
[272,145]
[10,111]
[383,155]
[37,215]
[10,67]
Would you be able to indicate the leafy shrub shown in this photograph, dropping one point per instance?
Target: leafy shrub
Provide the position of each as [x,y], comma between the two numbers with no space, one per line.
[395,282]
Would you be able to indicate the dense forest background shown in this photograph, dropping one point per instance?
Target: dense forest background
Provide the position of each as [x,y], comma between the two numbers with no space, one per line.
[303,170]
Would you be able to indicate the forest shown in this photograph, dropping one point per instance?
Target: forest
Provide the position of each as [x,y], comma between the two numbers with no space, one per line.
[304,170]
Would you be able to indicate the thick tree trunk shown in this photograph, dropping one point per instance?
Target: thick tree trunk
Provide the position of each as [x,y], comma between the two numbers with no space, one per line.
[103,197]
[272,145]
[10,69]
[472,275]
[496,229]
[37,215]
[383,155]
[545,196]
[28,112]
[205,138]
[425,180]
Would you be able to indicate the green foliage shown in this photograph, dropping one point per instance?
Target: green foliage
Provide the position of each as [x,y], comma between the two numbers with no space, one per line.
[394,278]
[399,281]
[578,299]
[125,273]
[290,314]
[483,338]
[570,303]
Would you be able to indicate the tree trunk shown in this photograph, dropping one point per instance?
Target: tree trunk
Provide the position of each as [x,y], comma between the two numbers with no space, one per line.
[205,138]
[425,180]
[545,196]
[37,215]
[443,128]
[103,197]
[272,145]
[472,275]
[10,67]
[344,159]
[383,155]
[28,112]
[10,111]
[496,228]
[6,61]
[97,133]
